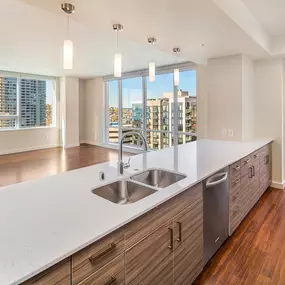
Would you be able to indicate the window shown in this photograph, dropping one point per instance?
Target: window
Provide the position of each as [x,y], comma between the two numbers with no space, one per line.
[26,103]
[135,103]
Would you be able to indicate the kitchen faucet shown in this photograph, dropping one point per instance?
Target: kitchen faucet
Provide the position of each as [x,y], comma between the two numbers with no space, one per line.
[121,164]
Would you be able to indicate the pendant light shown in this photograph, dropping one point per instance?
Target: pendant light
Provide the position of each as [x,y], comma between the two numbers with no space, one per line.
[151,65]
[176,70]
[118,55]
[68,44]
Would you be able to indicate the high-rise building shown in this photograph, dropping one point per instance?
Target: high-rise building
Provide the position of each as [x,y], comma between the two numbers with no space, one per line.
[33,103]
[8,100]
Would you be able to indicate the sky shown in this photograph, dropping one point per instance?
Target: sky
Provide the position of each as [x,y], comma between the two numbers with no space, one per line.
[132,88]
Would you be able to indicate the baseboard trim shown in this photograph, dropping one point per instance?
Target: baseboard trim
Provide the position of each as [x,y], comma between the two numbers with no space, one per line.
[72,145]
[278,185]
[18,150]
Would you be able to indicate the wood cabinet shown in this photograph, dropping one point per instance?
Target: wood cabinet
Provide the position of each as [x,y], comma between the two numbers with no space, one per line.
[247,184]
[56,275]
[188,244]
[173,253]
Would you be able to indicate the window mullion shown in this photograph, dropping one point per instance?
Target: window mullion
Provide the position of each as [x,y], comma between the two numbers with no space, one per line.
[144,93]
[175,114]
[120,108]
[18,105]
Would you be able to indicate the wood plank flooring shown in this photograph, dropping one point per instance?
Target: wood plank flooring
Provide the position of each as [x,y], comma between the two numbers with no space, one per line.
[255,254]
[15,168]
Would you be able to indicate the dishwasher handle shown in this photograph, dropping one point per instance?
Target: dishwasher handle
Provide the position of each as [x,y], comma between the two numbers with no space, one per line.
[216,179]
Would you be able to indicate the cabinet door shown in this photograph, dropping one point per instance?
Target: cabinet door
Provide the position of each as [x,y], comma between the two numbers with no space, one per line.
[58,274]
[150,261]
[188,244]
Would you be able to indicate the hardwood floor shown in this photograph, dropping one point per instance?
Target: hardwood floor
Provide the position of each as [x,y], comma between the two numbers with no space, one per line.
[15,168]
[255,254]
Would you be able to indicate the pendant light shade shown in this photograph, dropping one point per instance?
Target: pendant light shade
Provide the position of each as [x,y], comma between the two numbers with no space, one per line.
[68,44]
[151,74]
[176,77]
[118,65]
[68,54]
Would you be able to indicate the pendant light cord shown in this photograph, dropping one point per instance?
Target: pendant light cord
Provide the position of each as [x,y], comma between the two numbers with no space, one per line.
[117,40]
[68,26]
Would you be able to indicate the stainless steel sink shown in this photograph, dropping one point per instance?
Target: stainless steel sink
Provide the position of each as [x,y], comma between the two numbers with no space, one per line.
[123,192]
[158,177]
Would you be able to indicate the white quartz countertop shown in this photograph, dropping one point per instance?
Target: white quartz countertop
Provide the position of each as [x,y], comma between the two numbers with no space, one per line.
[44,221]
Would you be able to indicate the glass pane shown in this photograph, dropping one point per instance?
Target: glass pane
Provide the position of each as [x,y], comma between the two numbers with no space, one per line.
[10,123]
[36,102]
[157,140]
[113,136]
[113,103]
[132,113]
[160,102]
[132,140]
[183,138]
[8,96]
[187,103]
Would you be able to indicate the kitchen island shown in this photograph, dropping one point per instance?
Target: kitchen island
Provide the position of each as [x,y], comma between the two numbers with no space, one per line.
[44,222]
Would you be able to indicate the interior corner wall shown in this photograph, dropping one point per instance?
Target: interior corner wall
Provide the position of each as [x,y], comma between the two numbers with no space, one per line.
[69,102]
[268,117]
[94,111]
[225,97]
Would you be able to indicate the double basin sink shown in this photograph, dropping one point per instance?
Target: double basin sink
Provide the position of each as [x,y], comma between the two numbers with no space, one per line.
[137,186]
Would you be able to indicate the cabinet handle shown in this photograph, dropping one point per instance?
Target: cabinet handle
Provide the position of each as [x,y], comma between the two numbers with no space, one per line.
[236,181]
[171,238]
[256,155]
[267,159]
[247,161]
[250,172]
[179,239]
[237,168]
[95,257]
[253,170]
[111,281]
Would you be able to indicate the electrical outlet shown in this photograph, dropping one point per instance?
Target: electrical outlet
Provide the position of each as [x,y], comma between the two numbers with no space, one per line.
[224,132]
[231,132]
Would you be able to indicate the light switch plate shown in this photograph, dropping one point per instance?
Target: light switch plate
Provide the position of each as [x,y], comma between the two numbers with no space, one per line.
[224,132]
[231,132]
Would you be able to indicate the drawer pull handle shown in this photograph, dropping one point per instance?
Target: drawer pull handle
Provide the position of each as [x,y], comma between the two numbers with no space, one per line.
[247,161]
[171,238]
[236,181]
[111,281]
[237,168]
[256,155]
[179,239]
[97,256]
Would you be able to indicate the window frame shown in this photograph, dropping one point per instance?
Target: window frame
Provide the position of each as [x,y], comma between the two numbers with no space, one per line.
[187,66]
[18,116]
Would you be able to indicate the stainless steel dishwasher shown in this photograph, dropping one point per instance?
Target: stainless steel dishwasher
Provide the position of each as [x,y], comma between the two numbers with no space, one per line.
[216,212]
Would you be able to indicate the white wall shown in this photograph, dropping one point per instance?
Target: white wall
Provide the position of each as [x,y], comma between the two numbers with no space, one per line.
[268,119]
[225,97]
[248,104]
[25,140]
[69,101]
[94,111]
[81,110]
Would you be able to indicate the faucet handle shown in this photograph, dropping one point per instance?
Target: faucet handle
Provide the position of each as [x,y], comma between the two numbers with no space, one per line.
[127,164]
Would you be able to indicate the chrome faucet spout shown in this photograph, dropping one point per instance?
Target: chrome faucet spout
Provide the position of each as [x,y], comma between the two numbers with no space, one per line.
[121,164]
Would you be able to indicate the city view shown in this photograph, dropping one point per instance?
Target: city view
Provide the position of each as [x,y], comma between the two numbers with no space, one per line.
[159,110]
[34,103]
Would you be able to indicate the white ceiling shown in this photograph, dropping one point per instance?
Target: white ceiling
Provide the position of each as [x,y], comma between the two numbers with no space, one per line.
[270,13]
[31,41]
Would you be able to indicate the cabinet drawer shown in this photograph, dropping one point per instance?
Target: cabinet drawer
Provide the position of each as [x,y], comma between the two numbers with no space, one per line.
[111,273]
[145,225]
[235,183]
[57,275]
[246,163]
[93,257]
